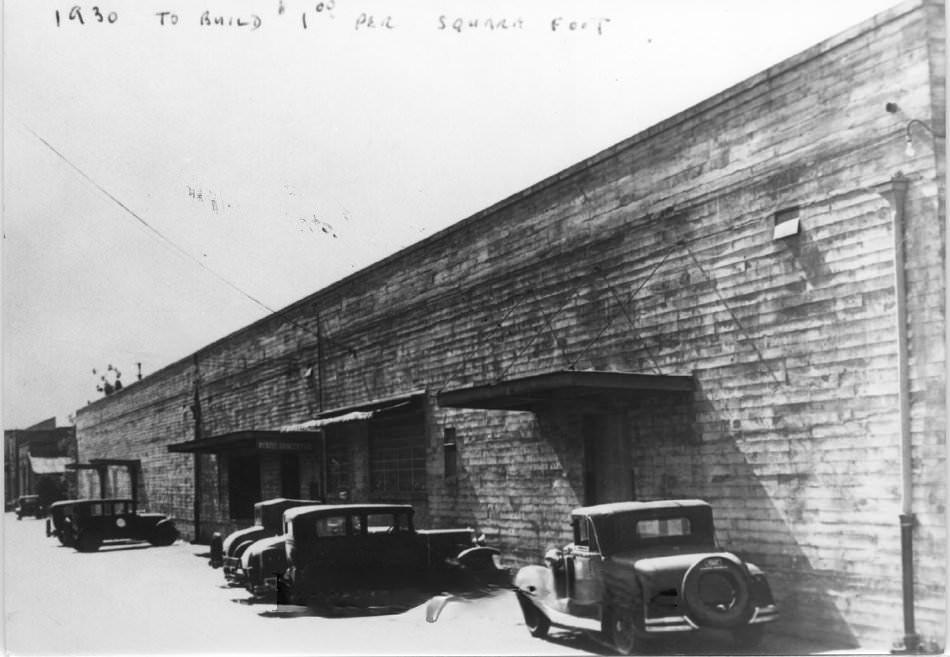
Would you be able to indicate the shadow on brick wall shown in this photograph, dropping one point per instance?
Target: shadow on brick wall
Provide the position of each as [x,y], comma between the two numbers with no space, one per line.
[520,481]
[756,507]
[752,524]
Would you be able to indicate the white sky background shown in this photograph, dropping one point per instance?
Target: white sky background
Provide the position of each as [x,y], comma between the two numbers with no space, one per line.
[386,135]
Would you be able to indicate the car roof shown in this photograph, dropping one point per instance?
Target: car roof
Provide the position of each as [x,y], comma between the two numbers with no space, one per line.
[331,509]
[626,507]
[90,500]
[277,501]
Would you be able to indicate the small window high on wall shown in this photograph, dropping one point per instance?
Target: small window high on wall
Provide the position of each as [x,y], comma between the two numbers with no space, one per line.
[450,451]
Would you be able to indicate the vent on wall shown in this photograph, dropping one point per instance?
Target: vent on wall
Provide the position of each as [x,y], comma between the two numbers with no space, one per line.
[786,223]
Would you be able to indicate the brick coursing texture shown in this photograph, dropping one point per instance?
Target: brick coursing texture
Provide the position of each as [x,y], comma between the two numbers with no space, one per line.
[655,256]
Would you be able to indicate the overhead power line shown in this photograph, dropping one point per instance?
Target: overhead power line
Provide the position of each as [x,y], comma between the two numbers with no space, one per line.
[157,233]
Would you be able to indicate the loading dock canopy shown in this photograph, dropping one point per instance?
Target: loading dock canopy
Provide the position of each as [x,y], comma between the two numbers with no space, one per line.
[527,393]
[49,464]
[252,440]
[300,437]
[358,412]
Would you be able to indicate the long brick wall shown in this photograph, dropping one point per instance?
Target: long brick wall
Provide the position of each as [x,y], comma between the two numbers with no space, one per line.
[655,256]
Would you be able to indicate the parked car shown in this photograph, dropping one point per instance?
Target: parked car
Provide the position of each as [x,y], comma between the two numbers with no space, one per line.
[268,521]
[327,550]
[29,505]
[86,524]
[643,569]
[56,523]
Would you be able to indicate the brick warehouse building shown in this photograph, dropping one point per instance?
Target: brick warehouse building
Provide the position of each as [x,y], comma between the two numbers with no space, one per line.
[707,309]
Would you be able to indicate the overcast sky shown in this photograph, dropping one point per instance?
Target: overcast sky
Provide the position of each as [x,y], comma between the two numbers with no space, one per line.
[165,185]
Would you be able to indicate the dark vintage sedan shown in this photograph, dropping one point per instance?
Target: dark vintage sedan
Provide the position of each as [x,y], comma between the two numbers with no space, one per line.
[329,550]
[86,524]
[56,524]
[29,505]
[268,521]
[637,570]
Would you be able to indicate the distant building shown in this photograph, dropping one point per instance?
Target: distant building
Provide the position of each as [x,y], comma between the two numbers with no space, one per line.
[35,460]
[708,309]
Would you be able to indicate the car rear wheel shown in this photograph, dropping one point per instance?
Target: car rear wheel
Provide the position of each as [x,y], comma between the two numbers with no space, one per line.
[89,541]
[534,619]
[163,535]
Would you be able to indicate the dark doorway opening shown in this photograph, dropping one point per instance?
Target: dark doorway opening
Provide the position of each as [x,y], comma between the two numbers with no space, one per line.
[290,476]
[608,466]
[244,485]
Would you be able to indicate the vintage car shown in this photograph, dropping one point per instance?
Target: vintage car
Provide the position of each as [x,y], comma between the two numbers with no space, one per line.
[637,570]
[56,524]
[29,505]
[268,521]
[329,550]
[86,524]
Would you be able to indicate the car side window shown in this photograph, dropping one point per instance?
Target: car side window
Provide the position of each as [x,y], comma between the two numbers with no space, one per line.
[332,526]
[356,524]
[380,523]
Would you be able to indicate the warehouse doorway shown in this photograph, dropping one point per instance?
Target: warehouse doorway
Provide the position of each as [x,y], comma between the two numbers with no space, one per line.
[608,465]
[244,485]
[290,475]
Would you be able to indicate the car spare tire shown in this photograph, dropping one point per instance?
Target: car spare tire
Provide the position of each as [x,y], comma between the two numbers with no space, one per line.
[716,592]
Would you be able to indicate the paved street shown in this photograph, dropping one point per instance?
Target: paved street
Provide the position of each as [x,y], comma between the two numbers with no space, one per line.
[138,598]
[142,599]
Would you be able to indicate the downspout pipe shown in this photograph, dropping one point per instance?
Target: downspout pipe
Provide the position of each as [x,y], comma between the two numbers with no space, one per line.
[196,412]
[895,191]
[325,491]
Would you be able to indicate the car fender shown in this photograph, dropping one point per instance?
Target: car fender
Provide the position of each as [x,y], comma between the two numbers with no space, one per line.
[252,533]
[167,524]
[478,558]
[535,582]
[753,569]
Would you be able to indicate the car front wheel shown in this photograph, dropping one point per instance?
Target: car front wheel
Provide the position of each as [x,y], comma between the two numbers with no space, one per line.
[620,630]
[89,541]
[534,619]
[163,535]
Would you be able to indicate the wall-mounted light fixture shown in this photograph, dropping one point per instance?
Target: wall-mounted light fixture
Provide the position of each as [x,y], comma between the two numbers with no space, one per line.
[786,223]
[910,141]
[892,108]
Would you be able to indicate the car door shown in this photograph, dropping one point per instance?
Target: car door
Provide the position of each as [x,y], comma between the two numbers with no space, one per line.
[585,565]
